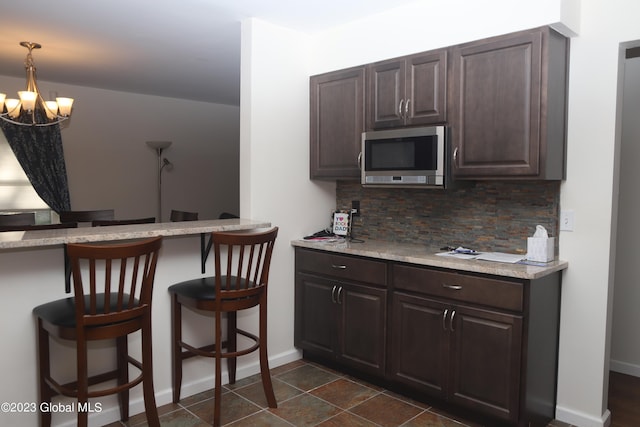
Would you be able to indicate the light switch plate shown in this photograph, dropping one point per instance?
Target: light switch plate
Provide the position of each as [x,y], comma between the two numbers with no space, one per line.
[567,220]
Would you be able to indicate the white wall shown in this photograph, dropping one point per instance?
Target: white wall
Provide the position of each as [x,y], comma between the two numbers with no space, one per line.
[590,188]
[274,159]
[110,166]
[625,343]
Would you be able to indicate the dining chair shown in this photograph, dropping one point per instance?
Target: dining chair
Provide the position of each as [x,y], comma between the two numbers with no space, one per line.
[87,216]
[177,216]
[113,287]
[24,218]
[36,227]
[107,222]
[242,261]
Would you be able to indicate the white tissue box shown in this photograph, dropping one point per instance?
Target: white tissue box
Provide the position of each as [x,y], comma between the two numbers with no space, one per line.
[540,249]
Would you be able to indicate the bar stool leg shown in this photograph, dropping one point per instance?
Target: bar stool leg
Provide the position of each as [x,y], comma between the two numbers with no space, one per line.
[176,350]
[150,407]
[83,382]
[122,350]
[232,344]
[217,407]
[44,372]
[267,385]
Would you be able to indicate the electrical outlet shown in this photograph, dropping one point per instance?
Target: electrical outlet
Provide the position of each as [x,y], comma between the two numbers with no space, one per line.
[567,220]
[355,207]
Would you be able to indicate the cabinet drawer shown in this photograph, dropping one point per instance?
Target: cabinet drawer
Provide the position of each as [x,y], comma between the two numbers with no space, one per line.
[460,287]
[342,267]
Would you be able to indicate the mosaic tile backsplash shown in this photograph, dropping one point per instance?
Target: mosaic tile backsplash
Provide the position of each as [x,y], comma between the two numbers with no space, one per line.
[489,216]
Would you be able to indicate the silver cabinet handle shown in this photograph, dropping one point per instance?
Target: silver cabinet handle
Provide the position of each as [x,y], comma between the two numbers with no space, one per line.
[453,314]
[444,319]
[339,295]
[400,107]
[333,294]
[339,267]
[454,287]
[360,160]
[406,108]
[455,156]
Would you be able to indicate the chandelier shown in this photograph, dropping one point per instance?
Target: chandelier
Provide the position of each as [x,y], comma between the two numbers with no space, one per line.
[30,109]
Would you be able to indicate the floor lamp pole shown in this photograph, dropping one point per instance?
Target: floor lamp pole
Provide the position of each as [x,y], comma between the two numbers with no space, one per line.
[159,146]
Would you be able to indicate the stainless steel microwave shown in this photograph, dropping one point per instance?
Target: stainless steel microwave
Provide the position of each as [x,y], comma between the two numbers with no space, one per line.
[407,157]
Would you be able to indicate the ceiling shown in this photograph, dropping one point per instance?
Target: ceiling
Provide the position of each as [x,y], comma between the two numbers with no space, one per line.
[186,49]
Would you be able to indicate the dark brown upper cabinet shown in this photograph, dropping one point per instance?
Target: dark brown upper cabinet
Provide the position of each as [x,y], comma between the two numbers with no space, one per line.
[407,91]
[508,106]
[337,123]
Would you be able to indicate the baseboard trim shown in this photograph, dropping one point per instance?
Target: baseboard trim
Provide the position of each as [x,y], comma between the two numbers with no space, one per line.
[581,419]
[242,371]
[136,406]
[625,368]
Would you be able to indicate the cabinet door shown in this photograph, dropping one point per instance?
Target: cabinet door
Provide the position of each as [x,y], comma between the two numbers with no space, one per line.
[485,357]
[496,106]
[386,94]
[419,343]
[364,320]
[337,123]
[426,92]
[316,325]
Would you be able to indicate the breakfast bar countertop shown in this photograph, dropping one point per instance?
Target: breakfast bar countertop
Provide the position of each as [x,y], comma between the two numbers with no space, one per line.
[422,254]
[52,237]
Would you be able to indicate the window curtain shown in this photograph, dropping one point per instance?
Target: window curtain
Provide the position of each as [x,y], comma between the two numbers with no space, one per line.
[39,151]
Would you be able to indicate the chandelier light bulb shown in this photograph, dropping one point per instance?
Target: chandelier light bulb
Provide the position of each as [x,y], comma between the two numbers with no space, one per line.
[13,107]
[51,108]
[64,106]
[28,99]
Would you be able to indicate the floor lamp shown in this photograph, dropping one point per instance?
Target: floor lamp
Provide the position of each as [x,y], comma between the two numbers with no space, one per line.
[159,146]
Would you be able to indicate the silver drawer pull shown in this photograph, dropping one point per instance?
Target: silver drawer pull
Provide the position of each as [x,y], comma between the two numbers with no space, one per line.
[339,267]
[454,287]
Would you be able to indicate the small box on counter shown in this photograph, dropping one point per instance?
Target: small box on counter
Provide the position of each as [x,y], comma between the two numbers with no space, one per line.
[540,249]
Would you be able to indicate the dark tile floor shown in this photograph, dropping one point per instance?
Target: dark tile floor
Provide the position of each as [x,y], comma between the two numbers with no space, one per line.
[308,395]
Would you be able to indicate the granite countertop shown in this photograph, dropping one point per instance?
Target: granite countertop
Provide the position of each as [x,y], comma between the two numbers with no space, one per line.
[425,255]
[42,238]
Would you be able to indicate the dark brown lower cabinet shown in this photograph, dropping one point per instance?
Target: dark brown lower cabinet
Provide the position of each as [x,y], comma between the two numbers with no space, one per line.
[338,319]
[458,353]
[487,345]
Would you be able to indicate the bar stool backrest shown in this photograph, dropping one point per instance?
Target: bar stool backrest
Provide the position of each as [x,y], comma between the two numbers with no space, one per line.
[115,279]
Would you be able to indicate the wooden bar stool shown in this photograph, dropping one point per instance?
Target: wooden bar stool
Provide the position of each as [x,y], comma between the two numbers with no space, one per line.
[113,285]
[242,261]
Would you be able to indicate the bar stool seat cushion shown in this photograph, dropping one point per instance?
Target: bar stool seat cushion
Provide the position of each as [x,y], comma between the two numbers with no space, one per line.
[62,312]
[203,288]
